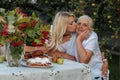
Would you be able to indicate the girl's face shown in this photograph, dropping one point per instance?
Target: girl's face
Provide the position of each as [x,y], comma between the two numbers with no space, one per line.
[82,25]
[71,27]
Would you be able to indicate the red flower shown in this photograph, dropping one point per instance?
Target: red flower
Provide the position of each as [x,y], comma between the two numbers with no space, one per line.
[43,41]
[16,44]
[4,31]
[35,44]
[25,15]
[45,33]
[32,23]
[19,10]
[47,38]
[22,26]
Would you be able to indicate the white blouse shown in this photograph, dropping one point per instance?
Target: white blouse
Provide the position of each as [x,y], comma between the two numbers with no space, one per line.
[90,43]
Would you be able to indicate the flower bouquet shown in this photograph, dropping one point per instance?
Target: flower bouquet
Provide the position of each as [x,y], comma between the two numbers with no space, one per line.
[17,28]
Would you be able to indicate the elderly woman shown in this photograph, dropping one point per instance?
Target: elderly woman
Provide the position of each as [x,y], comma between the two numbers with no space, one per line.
[85,49]
[88,48]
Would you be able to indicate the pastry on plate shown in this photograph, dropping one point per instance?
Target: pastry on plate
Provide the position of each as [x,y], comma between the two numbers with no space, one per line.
[38,61]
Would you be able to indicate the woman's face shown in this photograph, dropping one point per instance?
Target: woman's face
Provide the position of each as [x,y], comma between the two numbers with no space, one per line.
[82,25]
[71,25]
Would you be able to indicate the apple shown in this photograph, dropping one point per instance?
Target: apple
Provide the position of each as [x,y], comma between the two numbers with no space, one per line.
[4,57]
[54,59]
[60,60]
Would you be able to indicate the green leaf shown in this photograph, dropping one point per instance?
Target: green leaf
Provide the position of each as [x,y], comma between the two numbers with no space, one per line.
[11,12]
[31,33]
[25,19]
[37,41]
[33,15]
[2,40]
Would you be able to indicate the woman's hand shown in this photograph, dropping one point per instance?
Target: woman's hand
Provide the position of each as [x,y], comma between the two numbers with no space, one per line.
[57,53]
[105,69]
[84,35]
[53,53]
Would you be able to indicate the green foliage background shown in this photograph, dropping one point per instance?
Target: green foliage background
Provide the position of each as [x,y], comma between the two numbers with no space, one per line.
[105,13]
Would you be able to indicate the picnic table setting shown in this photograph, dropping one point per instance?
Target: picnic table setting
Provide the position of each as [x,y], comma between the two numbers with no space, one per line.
[44,67]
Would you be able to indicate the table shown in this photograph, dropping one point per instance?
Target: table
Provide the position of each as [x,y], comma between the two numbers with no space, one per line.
[70,70]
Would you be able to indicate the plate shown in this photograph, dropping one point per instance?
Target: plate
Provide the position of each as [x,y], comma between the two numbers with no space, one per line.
[23,63]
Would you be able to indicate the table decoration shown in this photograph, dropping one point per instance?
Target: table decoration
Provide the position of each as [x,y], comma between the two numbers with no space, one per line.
[13,54]
[17,29]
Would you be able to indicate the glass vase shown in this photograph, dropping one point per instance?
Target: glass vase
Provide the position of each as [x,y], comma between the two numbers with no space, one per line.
[13,54]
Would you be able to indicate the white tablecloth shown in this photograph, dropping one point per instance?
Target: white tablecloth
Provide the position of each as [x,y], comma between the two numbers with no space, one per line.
[70,70]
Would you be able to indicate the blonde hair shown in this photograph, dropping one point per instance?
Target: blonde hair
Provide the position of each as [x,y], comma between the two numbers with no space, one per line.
[90,21]
[59,28]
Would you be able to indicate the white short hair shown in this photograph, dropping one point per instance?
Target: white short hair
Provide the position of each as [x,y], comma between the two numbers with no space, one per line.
[89,20]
